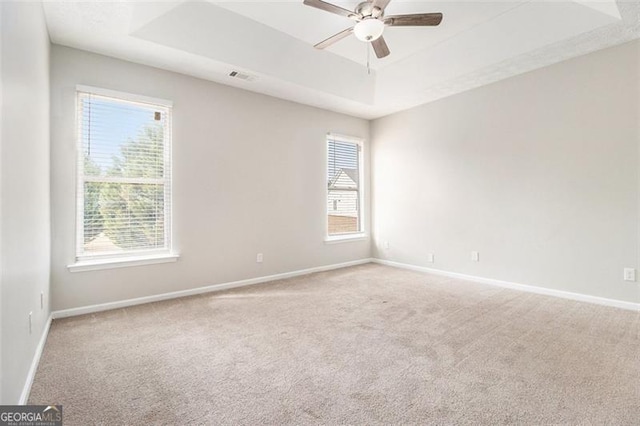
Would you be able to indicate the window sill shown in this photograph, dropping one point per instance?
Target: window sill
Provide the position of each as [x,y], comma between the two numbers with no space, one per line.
[346,238]
[95,265]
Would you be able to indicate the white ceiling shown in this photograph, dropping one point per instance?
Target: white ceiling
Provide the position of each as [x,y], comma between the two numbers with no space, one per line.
[312,25]
[478,42]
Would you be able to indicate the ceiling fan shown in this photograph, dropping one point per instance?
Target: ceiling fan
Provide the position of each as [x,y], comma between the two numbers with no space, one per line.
[371,22]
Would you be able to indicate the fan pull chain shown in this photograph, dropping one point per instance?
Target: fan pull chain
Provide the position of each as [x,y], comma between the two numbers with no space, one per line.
[368,59]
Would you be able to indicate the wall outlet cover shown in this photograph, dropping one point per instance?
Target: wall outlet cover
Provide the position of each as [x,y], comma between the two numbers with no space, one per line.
[630,274]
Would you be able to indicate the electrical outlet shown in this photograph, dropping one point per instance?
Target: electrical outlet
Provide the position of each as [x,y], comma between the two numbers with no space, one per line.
[475,256]
[30,322]
[41,300]
[630,274]
[259,258]
[430,258]
[386,245]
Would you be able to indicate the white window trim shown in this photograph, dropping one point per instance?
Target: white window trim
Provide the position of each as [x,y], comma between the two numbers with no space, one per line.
[353,236]
[131,97]
[121,262]
[346,238]
[133,258]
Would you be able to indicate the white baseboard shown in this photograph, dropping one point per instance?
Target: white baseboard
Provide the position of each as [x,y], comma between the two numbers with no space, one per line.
[200,290]
[24,396]
[515,286]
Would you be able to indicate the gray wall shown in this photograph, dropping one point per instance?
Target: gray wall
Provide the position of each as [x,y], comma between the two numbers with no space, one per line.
[249,176]
[539,173]
[24,189]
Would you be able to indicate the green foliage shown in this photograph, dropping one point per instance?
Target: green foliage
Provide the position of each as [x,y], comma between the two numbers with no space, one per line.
[143,157]
[131,215]
[93,220]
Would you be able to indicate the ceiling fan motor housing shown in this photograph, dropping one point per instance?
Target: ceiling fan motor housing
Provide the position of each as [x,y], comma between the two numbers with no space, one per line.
[368,10]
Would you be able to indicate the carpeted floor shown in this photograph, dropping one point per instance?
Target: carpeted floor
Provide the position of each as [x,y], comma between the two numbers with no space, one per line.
[363,345]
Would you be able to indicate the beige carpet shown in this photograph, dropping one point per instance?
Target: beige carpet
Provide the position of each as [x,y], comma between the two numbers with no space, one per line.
[363,345]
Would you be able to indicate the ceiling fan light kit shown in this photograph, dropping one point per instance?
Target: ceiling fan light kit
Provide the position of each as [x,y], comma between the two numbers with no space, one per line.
[369,29]
[371,22]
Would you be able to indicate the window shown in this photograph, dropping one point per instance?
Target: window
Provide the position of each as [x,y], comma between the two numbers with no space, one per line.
[124,175]
[344,177]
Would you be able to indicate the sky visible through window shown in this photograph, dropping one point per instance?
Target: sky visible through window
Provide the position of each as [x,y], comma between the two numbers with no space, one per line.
[108,124]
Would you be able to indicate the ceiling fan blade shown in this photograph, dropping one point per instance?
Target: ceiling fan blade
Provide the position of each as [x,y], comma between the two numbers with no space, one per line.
[380,47]
[334,38]
[380,4]
[331,8]
[417,20]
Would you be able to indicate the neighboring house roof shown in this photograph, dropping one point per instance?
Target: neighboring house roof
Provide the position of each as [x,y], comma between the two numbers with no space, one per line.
[352,173]
[101,243]
[346,178]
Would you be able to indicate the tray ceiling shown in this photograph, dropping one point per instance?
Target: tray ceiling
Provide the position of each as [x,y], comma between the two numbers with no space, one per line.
[477,43]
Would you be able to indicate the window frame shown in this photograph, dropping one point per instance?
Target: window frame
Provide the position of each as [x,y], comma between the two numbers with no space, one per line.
[361,233]
[132,257]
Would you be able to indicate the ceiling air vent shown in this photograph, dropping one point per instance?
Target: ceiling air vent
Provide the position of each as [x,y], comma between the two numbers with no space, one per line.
[242,76]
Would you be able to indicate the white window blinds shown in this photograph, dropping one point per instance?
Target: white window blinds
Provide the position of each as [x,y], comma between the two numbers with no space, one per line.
[343,186]
[124,176]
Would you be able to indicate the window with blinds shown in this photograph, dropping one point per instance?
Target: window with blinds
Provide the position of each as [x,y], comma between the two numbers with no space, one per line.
[124,175]
[343,186]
